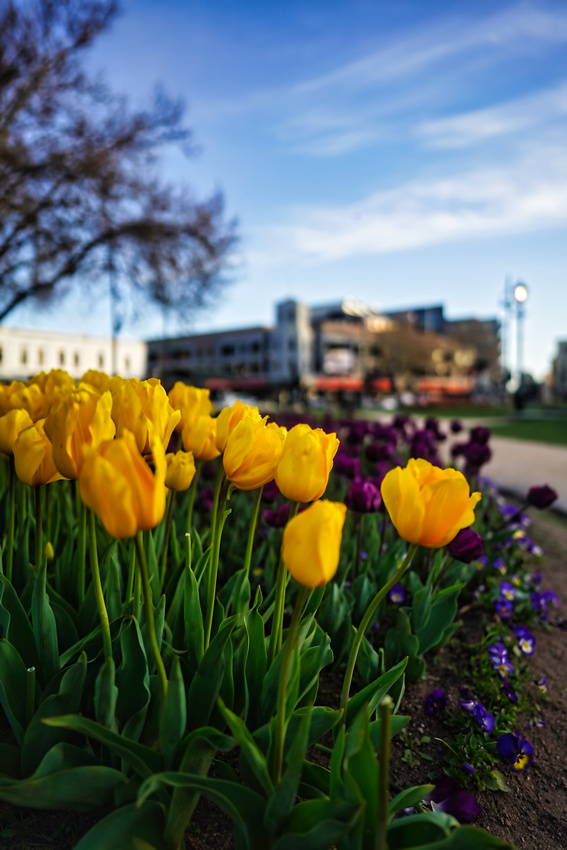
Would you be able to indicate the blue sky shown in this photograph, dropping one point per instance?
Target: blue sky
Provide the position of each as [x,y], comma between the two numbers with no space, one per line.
[400,153]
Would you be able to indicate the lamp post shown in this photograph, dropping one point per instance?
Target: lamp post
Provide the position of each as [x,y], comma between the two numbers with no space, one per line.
[520,297]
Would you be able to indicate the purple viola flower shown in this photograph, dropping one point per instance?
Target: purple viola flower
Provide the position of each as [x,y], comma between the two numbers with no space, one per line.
[526,641]
[277,518]
[397,594]
[510,692]
[541,497]
[498,655]
[468,768]
[466,546]
[363,496]
[435,702]
[500,565]
[518,752]
[479,435]
[542,684]
[503,608]
[507,591]
[449,797]
[465,693]
[479,712]
[537,723]
[550,596]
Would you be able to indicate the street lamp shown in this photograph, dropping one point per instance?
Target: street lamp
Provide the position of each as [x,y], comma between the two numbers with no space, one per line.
[520,296]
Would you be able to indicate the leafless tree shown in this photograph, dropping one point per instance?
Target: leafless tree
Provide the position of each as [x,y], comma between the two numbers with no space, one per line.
[79,191]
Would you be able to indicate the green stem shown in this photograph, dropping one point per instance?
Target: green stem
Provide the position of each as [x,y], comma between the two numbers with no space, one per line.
[149,614]
[82,544]
[216,497]
[282,684]
[214,561]
[438,574]
[131,573]
[97,587]
[168,520]
[365,622]
[11,520]
[384,773]
[23,503]
[192,491]
[360,532]
[137,594]
[252,530]
[279,603]
[38,526]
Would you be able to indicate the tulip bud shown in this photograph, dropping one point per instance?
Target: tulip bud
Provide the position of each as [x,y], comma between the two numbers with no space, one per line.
[229,418]
[192,402]
[306,462]
[180,470]
[199,438]
[81,419]
[33,456]
[466,546]
[312,543]
[541,497]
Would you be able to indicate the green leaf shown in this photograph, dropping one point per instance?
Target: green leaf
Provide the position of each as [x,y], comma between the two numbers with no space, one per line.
[15,625]
[78,789]
[143,760]
[256,662]
[317,825]
[374,693]
[38,739]
[132,680]
[13,686]
[416,830]
[10,761]
[464,838]
[280,803]
[410,797]
[106,694]
[44,628]
[128,828]
[443,613]
[252,758]
[207,681]
[174,715]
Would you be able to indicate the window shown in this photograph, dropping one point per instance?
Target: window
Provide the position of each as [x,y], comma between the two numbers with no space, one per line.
[1,354]
[76,358]
[101,361]
[24,356]
[61,358]
[127,363]
[40,356]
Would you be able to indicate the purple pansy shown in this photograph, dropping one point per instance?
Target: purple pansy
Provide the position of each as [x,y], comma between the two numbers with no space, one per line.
[397,594]
[503,608]
[518,752]
[479,712]
[449,797]
[435,702]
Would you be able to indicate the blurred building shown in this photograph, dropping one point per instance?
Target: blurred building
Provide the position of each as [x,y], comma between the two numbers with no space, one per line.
[342,347]
[24,353]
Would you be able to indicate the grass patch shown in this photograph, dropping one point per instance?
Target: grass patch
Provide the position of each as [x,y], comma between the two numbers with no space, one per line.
[553,431]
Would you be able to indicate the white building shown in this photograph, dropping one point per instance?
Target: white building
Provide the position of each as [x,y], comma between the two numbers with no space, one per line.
[24,353]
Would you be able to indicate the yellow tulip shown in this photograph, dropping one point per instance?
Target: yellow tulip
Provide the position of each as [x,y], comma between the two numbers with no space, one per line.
[192,402]
[180,470]
[143,408]
[199,437]
[55,385]
[30,397]
[81,419]
[11,425]
[117,484]
[252,452]
[312,543]
[228,419]
[428,505]
[306,462]
[95,380]
[33,456]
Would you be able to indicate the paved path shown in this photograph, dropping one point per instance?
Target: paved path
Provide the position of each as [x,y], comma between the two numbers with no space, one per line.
[517,465]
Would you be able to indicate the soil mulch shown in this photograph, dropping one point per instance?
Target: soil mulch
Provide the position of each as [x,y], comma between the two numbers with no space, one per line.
[532,817]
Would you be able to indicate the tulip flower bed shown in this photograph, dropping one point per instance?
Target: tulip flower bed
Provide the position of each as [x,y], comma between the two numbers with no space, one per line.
[199,631]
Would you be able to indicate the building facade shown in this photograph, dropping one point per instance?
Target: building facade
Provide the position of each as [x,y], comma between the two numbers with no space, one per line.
[24,353]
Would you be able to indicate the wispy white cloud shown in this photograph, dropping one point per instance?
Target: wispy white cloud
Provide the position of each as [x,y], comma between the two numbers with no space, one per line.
[528,195]
[517,116]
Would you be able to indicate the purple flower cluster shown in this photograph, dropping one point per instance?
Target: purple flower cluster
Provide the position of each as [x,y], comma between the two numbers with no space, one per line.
[498,655]
[449,797]
[479,712]
[541,602]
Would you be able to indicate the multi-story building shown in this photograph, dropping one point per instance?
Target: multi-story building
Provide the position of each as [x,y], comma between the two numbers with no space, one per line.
[559,372]
[24,353]
[345,346]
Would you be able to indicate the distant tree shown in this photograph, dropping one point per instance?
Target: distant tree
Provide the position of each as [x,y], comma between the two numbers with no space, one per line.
[79,195]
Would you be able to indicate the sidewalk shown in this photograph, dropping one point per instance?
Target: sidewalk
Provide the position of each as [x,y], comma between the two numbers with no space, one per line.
[517,465]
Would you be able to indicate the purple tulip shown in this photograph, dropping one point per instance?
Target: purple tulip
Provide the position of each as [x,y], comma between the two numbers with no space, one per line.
[466,546]
[479,435]
[363,497]
[456,426]
[277,518]
[476,454]
[541,497]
